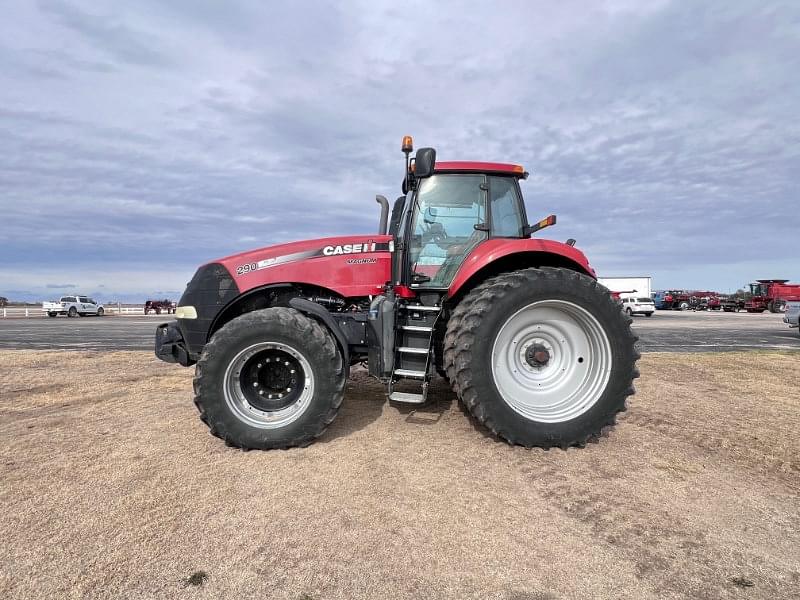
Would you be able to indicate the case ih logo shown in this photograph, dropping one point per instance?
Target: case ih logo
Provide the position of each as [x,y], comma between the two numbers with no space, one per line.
[348,249]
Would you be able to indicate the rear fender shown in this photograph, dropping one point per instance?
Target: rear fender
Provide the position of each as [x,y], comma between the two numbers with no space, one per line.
[496,256]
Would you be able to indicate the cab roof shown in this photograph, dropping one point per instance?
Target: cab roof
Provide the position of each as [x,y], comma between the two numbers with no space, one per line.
[467,166]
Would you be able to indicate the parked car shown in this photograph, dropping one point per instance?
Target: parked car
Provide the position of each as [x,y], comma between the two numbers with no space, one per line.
[73,306]
[638,306]
[792,315]
[159,306]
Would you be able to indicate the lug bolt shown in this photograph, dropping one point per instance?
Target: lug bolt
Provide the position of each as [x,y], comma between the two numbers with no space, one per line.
[288,389]
[255,384]
[292,371]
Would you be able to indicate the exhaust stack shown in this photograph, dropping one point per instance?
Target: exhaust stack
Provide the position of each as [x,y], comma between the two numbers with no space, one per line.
[384,222]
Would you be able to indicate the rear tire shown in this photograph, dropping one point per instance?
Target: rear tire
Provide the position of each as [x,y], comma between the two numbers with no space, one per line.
[72,312]
[648,314]
[252,349]
[591,357]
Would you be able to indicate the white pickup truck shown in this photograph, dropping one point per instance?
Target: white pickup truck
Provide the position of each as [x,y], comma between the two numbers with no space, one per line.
[73,306]
[792,316]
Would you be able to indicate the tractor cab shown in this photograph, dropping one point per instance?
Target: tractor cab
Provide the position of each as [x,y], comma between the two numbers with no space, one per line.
[448,209]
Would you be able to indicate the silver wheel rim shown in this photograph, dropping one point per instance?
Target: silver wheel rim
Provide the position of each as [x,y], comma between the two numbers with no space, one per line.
[245,410]
[577,369]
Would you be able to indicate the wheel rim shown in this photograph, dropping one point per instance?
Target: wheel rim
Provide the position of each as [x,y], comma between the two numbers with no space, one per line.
[551,361]
[268,385]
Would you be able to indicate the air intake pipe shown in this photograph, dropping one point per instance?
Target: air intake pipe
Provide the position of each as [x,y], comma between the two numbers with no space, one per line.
[384,222]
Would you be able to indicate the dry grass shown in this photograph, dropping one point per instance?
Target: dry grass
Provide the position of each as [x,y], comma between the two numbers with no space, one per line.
[111,487]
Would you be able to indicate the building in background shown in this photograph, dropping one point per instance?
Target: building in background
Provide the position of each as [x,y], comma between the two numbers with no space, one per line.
[628,287]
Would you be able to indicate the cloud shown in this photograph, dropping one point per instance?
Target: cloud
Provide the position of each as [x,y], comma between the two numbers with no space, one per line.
[59,286]
[152,137]
[107,34]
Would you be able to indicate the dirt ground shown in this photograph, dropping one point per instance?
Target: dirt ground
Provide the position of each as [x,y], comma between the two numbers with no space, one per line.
[111,487]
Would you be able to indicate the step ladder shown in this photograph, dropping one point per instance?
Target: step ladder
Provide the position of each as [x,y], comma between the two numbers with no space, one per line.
[413,353]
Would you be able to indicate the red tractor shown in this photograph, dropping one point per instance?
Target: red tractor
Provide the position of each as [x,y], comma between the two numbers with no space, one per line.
[159,306]
[453,283]
[771,295]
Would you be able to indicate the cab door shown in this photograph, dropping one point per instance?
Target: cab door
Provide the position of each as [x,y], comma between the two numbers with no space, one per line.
[447,221]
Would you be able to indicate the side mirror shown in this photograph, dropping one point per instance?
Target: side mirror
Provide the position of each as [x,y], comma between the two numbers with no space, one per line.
[424,162]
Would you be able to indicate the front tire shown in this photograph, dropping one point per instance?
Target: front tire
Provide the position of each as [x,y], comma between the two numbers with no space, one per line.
[271,378]
[100,312]
[542,357]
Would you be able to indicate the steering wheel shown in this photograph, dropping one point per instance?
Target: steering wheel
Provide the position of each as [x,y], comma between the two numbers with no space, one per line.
[434,233]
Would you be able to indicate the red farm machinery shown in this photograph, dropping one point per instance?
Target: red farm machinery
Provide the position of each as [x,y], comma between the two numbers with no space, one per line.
[453,282]
[771,295]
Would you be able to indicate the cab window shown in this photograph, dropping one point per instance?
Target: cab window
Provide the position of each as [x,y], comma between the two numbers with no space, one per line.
[505,206]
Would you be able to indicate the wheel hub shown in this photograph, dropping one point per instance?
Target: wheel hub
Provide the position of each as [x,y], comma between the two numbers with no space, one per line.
[537,355]
[269,385]
[269,380]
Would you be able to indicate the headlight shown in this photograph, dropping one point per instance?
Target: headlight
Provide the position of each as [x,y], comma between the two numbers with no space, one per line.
[186,312]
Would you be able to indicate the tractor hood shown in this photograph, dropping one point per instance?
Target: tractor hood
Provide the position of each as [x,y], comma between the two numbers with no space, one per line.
[270,256]
[344,264]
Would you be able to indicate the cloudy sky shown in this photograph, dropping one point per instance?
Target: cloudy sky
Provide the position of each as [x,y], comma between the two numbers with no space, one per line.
[141,139]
